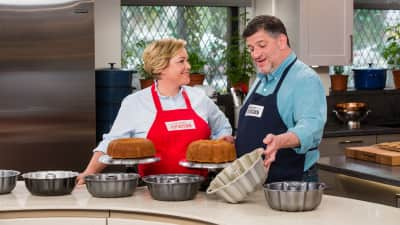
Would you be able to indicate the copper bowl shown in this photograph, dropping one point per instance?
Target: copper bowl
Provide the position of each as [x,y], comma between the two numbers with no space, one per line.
[351,113]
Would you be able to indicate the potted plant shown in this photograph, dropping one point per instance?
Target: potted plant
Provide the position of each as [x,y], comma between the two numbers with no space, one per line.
[240,66]
[338,79]
[145,78]
[391,52]
[197,66]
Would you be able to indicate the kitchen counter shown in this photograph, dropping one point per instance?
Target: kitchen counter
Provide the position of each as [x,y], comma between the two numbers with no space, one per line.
[361,169]
[334,130]
[204,209]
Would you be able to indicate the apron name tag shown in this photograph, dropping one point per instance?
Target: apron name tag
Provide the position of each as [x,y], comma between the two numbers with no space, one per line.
[180,125]
[254,110]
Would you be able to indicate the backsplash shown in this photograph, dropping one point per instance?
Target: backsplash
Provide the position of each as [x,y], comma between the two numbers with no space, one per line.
[384,106]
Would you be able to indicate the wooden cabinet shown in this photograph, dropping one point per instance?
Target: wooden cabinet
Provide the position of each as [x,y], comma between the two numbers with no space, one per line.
[320,32]
[335,145]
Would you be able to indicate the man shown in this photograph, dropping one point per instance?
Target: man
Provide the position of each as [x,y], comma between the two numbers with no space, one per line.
[285,110]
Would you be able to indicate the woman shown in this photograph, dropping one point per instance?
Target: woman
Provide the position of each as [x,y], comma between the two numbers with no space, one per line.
[145,113]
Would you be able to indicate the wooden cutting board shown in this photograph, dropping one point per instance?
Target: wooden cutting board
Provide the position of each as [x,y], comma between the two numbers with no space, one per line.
[374,154]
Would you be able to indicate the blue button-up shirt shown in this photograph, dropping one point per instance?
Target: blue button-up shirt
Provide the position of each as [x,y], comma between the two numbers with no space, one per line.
[301,104]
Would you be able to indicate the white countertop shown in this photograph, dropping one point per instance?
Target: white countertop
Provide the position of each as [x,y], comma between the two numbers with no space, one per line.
[333,210]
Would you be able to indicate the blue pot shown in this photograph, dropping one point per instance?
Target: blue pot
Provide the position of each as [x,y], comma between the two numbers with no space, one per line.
[369,78]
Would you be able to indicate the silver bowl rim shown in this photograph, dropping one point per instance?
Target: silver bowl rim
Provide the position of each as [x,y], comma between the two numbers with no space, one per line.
[30,175]
[130,177]
[14,173]
[321,186]
[198,178]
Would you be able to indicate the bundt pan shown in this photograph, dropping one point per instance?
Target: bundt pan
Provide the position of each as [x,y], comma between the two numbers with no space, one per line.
[173,187]
[294,196]
[112,185]
[8,180]
[50,183]
[239,179]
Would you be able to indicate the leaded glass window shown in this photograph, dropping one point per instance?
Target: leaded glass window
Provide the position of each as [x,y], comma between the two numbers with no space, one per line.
[206,30]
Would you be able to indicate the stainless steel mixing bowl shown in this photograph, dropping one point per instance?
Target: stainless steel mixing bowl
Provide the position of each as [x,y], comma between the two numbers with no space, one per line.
[50,183]
[8,180]
[294,196]
[351,113]
[173,187]
[112,185]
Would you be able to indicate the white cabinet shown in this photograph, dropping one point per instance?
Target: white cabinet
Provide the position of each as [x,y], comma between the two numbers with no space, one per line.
[320,32]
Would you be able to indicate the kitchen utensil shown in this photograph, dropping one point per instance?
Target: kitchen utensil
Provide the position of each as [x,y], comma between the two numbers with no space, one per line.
[106,159]
[49,183]
[294,196]
[112,185]
[374,154]
[240,178]
[351,113]
[369,78]
[173,187]
[8,180]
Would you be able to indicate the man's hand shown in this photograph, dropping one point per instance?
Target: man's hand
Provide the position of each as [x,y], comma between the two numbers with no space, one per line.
[276,142]
[272,142]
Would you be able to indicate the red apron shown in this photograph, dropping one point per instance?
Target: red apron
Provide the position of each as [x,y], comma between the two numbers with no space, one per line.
[172,131]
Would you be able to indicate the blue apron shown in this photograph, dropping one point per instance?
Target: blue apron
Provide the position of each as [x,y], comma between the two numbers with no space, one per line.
[252,129]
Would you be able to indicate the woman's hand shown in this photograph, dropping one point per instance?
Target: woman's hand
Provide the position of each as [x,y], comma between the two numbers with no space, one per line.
[80,180]
[227,138]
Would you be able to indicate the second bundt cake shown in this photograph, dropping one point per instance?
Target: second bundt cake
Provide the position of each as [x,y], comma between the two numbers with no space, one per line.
[210,151]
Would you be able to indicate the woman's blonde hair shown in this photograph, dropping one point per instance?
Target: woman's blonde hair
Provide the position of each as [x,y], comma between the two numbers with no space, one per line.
[156,55]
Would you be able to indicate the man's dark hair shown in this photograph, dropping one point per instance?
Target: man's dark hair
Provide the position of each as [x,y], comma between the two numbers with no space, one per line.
[270,24]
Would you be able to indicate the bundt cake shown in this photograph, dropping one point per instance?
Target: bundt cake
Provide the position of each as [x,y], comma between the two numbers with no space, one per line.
[210,151]
[131,148]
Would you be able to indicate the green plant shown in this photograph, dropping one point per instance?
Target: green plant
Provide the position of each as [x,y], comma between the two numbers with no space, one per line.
[240,65]
[196,62]
[338,70]
[391,51]
[142,73]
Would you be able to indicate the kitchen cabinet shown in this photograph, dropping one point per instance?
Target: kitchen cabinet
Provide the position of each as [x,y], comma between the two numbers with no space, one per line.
[335,146]
[320,32]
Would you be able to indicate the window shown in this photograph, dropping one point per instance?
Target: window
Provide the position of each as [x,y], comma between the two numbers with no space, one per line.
[369,37]
[206,30]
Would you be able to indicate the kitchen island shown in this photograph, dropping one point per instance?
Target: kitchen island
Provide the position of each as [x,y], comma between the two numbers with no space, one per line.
[20,207]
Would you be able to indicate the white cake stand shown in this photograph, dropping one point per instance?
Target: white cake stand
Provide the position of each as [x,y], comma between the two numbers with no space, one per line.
[106,159]
[209,166]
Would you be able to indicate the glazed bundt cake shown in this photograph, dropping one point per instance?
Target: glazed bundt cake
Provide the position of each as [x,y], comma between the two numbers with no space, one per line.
[210,151]
[131,148]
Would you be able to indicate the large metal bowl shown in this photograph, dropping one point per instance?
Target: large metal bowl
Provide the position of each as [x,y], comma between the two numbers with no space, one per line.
[112,185]
[294,196]
[8,180]
[238,180]
[50,183]
[173,187]
[351,113]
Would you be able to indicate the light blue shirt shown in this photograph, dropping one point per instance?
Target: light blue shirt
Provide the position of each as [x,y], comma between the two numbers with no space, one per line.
[138,112]
[301,104]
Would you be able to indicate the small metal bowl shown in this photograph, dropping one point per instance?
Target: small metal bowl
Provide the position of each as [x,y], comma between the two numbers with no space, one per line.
[351,113]
[294,196]
[173,187]
[8,180]
[50,183]
[112,185]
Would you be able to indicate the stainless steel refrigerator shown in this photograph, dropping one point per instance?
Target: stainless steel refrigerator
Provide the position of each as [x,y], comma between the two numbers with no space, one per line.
[47,85]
